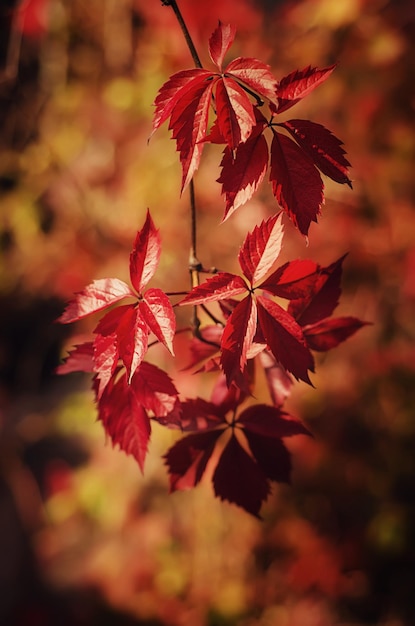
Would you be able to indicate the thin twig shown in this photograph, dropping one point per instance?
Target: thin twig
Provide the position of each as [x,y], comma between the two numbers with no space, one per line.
[189,41]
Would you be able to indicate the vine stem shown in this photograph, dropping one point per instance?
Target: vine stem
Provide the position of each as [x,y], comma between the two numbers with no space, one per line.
[173,4]
[194,264]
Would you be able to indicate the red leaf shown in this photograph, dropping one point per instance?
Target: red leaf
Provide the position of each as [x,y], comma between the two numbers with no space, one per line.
[270,421]
[219,287]
[159,316]
[271,455]
[261,248]
[255,74]
[132,338]
[292,280]
[105,359]
[299,84]
[198,414]
[188,122]
[235,112]
[242,174]
[322,146]
[329,333]
[219,43]
[78,360]
[125,420]
[205,347]
[237,338]
[296,182]
[239,479]
[154,389]
[279,382]
[322,297]
[174,89]
[145,255]
[95,297]
[188,458]
[284,338]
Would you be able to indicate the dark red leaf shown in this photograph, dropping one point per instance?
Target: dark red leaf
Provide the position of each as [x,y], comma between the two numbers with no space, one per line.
[328,333]
[284,338]
[296,182]
[256,75]
[292,280]
[78,360]
[154,389]
[219,43]
[237,338]
[145,255]
[271,455]
[242,174]
[188,122]
[159,316]
[322,298]
[219,287]
[299,84]
[239,479]
[322,146]
[95,297]
[261,248]
[188,458]
[125,420]
[270,421]
[200,415]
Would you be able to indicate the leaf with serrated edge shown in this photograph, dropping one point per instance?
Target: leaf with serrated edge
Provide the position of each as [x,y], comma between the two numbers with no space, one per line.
[125,421]
[329,333]
[299,84]
[237,338]
[95,297]
[219,43]
[261,248]
[174,89]
[235,112]
[105,360]
[239,479]
[296,182]
[219,287]
[188,121]
[322,298]
[154,389]
[145,254]
[132,336]
[159,316]
[271,455]
[188,458]
[243,172]
[255,74]
[292,280]
[284,338]
[79,359]
[271,422]
[322,146]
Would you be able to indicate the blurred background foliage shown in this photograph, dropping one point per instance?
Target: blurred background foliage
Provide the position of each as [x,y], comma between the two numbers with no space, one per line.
[84,538]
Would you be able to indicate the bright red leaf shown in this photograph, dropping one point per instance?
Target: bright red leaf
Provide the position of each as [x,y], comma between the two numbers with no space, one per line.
[300,84]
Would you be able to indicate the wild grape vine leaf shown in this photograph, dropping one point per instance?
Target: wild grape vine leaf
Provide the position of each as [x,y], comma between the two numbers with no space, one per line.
[294,165]
[253,456]
[123,332]
[188,97]
[253,313]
